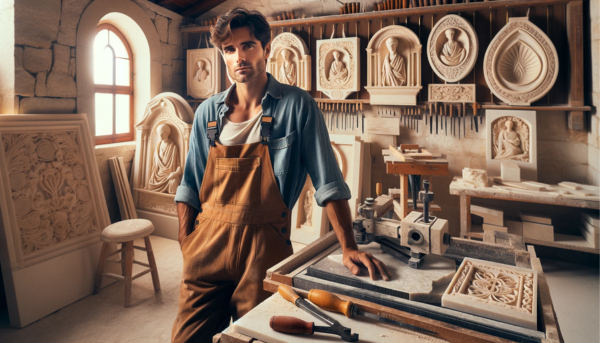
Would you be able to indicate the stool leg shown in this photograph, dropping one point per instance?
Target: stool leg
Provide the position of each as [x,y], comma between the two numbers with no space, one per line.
[128,272]
[123,257]
[152,263]
[100,270]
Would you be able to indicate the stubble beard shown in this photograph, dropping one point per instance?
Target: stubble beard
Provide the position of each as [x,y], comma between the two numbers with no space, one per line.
[256,69]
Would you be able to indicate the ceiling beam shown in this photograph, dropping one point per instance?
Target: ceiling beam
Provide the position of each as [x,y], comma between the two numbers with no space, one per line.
[201,8]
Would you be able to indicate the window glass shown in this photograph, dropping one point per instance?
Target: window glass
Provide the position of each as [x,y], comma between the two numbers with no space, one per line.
[122,113]
[104,111]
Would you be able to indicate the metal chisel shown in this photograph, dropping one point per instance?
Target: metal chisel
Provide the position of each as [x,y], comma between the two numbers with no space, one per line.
[331,302]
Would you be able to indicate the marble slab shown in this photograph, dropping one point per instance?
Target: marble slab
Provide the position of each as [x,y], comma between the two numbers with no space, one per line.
[425,284]
[256,325]
[496,291]
[537,231]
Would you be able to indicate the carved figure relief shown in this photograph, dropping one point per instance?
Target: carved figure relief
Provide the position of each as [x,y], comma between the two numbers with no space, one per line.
[50,191]
[495,291]
[203,72]
[511,136]
[166,169]
[338,66]
[162,146]
[521,63]
[289,61]
[452,48]
[394,66]
[511,139]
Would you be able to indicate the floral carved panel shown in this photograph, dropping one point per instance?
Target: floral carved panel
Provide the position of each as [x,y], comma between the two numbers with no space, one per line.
[460,93]
[495,291]
[49,188]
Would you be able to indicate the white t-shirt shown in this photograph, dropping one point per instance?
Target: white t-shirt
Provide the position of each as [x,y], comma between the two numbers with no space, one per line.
[240,133]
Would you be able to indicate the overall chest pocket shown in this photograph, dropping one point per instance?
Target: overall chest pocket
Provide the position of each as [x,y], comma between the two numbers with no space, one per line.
[237,181]
[280,150]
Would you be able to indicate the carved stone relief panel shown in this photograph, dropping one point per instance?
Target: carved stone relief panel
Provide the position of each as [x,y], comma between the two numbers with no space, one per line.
[521,63]
[394,66]
[162,146]
[452,92]
[290,61]
[511,137]
[493,290]
[52,205]
[452,48]
[338,67]
[203,72]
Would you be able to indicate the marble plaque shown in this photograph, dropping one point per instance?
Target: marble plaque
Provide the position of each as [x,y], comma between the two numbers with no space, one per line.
[290,61]
[338,67]
[203,72]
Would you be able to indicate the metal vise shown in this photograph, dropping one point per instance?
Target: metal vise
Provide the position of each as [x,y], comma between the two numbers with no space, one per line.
[409,240]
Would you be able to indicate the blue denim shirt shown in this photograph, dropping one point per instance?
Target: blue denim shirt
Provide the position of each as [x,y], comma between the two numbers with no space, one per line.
[299,143]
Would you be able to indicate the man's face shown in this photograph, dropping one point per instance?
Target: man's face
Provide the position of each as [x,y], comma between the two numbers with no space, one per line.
[244,55]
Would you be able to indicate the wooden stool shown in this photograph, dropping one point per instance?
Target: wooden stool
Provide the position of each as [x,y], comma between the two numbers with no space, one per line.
[125,232]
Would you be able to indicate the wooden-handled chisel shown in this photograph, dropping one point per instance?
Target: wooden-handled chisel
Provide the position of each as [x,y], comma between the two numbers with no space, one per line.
[331,302]
[288,293]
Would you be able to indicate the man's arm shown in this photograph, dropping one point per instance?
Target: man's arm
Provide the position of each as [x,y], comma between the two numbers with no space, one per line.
[340,217]
[187,214]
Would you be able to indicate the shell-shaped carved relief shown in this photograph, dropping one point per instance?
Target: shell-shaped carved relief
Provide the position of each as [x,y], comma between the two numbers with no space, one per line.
[520,64]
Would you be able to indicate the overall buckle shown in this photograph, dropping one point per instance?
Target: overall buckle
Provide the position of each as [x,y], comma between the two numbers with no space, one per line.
[265,129]
[212,133]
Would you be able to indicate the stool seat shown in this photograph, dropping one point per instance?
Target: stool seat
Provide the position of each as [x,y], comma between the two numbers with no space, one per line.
[127,230]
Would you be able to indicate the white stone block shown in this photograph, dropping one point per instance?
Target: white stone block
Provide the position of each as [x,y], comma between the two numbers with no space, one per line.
[592,218]
[510,172]
[592,237]
[47,105]
[490,227]
[535,218]
[496,291]
[514,225]
[489,215]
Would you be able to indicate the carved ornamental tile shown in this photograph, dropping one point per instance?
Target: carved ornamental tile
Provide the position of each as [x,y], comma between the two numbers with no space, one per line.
[496,291]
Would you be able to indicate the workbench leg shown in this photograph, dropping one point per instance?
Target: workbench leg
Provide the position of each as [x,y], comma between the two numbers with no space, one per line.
[404,196]
[465,215]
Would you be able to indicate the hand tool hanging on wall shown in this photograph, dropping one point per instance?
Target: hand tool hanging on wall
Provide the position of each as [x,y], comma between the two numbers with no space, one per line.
[288,293]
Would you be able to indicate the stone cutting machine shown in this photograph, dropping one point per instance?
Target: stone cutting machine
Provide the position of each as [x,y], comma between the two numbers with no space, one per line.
[409,240]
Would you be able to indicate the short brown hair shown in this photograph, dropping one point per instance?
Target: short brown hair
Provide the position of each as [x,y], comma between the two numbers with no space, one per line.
[236,18]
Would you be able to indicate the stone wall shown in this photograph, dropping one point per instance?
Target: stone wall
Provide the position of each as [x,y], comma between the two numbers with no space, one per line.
[45,53]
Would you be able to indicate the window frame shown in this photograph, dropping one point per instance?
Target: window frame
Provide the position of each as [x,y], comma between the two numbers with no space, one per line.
[114,90]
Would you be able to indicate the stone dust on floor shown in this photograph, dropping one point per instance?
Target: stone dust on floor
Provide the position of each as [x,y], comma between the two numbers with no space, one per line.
[102,318]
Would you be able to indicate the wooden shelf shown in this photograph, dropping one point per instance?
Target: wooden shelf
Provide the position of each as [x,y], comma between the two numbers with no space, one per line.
[562,241]
[407,12]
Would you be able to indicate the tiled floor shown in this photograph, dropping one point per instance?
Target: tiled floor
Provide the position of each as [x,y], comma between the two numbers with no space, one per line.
[102,318]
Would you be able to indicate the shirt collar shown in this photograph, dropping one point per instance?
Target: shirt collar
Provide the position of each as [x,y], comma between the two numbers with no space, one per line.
[273,89]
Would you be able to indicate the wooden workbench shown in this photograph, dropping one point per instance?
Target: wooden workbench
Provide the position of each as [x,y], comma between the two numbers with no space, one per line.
[561,241]
[285,272]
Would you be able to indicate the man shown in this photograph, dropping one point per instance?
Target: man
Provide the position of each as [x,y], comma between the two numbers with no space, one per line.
[250,149]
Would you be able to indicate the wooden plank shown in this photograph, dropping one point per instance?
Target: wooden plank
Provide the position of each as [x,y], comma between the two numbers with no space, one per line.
[548,316]
[569,242]
[383,126]
[402,13]
[303,255]
[417,169]
[575,24]
[535,197]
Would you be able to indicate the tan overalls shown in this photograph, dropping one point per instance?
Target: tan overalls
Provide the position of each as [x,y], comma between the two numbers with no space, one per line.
[242,230]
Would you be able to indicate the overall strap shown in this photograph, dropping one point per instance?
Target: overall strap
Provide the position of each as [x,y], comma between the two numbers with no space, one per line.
[265,129]
[212,132]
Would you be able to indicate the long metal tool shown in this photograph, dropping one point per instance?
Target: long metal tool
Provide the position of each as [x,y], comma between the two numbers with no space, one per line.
[331,302]
[288,293]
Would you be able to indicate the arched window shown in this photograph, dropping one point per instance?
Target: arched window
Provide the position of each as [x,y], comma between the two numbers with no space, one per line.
[113,78]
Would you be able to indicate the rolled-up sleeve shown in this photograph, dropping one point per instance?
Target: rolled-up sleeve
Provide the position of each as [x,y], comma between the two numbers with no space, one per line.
[319,159]
[193,172]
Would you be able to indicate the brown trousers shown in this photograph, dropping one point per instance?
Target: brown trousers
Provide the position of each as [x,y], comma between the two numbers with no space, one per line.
[242,230]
